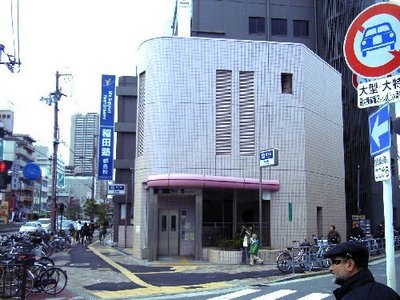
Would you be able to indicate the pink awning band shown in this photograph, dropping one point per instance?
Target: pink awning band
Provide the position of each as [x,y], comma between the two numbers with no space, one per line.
[208,181]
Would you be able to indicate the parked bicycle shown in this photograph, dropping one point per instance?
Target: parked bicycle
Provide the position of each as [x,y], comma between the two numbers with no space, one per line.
[296,255]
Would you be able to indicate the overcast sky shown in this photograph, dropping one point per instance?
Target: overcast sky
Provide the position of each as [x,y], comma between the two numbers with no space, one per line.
[83,38]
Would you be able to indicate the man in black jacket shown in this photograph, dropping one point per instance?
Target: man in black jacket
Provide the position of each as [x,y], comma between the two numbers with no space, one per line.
[349,266]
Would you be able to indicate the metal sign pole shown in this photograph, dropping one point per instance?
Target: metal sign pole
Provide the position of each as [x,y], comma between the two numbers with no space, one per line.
[389,238]
[126,216]
[260,208]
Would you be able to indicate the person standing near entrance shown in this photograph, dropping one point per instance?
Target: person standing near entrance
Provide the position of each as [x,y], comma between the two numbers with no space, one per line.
[245,234]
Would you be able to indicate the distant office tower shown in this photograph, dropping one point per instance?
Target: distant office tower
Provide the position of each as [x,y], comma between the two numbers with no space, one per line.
[83,151]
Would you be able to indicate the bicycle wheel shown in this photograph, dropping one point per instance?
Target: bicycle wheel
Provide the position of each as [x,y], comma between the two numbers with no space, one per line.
[46,262]
[9,284]
[53,281]
[284,261]
[37,270]
[29,283]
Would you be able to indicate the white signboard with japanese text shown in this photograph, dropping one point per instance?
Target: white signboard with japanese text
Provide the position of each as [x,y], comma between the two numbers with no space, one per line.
[382,166]
[116,189]
[268,158]
[378,92]
[15,182]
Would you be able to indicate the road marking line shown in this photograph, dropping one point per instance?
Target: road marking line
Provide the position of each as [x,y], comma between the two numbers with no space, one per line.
[315,296]
[159,290]
[235,294]
[132,277]
[275,295]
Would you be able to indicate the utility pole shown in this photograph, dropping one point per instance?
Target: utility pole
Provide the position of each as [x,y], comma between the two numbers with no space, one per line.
[54,98]
[94,164]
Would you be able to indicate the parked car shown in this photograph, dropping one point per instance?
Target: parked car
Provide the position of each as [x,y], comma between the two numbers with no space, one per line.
[32,226]
[66,224]
[46,222]
[378,36]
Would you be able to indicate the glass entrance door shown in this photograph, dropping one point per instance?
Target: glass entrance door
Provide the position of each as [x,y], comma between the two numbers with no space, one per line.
[168,232]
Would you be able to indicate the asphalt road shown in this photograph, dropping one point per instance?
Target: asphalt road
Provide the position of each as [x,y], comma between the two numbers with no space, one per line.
[103,272]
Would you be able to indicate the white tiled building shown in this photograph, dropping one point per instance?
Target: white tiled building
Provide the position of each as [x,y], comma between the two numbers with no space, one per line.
[206,108]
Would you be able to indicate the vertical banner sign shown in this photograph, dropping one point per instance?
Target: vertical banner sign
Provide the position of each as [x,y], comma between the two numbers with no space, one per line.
[15,182]
[1,149]
[106,134]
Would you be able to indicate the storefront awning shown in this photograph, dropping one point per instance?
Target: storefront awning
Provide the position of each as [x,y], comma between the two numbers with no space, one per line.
[208,181]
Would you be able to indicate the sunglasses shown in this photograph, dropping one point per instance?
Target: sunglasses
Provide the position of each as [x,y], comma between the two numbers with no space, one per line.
[336,261]
[339,261]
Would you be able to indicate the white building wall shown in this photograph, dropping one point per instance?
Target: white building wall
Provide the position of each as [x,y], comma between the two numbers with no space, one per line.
[179,123]
[324,152]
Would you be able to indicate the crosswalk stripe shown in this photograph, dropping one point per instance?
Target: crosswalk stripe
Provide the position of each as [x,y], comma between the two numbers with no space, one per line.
[315,296]
[275,295]
[235,294]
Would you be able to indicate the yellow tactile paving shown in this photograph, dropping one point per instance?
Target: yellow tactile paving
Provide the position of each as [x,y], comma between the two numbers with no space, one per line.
[166,290]
[148,289]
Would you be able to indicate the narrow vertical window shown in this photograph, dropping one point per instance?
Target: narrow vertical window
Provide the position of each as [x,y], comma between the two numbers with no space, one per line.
[287,83]
[141,111]
[163,223]
[246,113]
[223,112]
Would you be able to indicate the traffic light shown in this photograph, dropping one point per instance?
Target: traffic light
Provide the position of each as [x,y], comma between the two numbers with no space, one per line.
[5,177]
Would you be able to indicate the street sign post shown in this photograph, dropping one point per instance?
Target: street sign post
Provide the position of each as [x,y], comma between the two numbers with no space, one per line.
[371,49]
[116,189]
[268,158]
[379,130]
[120,189]
[380,141]
[378,92]
[382,170]
[371,46]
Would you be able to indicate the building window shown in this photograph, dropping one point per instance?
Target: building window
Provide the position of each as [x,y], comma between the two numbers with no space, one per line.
[223,111]
[278,27]
[287,83]
[141,113]
[300,28]
[246,113]
[256,25]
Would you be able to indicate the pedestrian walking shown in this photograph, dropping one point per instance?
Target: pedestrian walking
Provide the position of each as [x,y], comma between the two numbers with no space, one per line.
[78,228]
[349,267]
[84,233]
[254,247]
[102,233]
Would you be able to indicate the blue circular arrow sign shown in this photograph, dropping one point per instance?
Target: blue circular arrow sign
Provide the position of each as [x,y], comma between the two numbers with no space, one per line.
[32,171]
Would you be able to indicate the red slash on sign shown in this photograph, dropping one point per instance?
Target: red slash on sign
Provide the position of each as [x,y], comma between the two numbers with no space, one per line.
[356,26]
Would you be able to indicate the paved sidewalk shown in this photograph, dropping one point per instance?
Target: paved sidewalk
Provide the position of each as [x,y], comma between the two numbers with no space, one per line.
[104,272]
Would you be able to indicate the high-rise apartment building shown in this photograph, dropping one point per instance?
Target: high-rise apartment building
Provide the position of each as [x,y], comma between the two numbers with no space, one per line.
[84,136]
[321,26]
